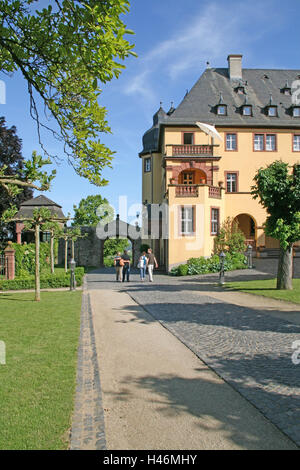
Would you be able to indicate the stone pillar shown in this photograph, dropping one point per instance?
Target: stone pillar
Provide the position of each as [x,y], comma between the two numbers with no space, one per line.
[19,228]
[9,253]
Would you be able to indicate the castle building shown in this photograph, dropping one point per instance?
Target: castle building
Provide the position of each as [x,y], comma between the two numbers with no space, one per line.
[199,159]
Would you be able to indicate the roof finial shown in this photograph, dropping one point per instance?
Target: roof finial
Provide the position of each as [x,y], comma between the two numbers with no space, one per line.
[271,98]
[160,103]
[208,65]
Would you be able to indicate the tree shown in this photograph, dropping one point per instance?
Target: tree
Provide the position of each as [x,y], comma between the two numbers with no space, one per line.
[70,234]
[11,157]
[54,229]
[87,211]
[38,222]
[278,190]
[230,238]
[64,52]
[113,245]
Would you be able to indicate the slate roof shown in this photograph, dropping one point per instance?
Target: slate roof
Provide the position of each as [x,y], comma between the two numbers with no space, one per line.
[200,103]
[27,207]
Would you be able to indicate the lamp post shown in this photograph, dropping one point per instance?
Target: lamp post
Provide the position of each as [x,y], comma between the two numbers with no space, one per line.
[222,274]
[249,256]
[72,275]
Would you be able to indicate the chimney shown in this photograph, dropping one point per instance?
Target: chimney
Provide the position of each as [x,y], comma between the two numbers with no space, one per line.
[235,66]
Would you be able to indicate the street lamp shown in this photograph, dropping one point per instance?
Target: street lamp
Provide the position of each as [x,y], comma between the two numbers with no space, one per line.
[222,274]
[72,274]
[249,256]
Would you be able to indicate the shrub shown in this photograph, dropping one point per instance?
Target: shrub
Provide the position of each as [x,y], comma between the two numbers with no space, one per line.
[25,258]
[203,265]
[47,281]
[230,238]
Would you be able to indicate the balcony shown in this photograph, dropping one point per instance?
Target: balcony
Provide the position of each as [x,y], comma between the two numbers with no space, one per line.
[185,190]
[191,150]
[192,190]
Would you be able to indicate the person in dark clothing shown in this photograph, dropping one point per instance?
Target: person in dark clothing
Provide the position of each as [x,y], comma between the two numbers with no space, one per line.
[126,267]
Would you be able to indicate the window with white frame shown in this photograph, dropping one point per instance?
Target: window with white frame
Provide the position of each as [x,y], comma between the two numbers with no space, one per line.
[270,142]
[214,221]
[231,142]
[296,143]
[231,182]
[258,142]
[265,142]
[187,220]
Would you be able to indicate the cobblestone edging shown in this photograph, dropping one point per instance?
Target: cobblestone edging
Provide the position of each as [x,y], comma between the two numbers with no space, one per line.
[88,429]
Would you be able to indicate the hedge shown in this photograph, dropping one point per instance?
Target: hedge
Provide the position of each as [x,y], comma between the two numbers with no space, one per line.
[47,281]
[25,258]
[210,265]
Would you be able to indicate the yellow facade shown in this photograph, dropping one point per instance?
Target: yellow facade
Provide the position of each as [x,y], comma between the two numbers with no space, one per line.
[194,175]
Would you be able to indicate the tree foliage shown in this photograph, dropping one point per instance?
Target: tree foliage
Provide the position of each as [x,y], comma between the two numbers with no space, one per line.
[65,52]
[11,158]
[230,238]
[87,212]
[278,190]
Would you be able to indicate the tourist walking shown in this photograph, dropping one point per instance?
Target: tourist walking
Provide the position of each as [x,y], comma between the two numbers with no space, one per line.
[126,267]
[151,263]
[142,264]
[118,263]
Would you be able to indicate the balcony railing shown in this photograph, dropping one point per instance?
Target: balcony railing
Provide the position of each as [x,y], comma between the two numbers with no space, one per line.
[192,190]
[186,190]
[214,192]
[192,150]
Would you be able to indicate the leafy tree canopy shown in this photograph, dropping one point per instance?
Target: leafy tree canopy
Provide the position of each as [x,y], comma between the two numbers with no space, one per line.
[11,158]
[278,189]
[64,52]
[87,212]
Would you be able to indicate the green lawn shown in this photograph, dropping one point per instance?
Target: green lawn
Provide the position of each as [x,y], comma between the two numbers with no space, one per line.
[37,384]
[268,289]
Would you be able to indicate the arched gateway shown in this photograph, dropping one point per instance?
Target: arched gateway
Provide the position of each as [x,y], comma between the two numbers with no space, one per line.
[89,250]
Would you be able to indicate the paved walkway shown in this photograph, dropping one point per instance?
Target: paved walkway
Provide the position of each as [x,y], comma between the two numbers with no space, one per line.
[158,394]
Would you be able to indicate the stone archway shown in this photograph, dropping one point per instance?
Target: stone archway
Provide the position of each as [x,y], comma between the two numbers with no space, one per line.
[88,251]
[248,226]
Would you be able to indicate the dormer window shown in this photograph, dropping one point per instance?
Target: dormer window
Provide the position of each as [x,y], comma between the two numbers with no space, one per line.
[272,111]
[247,110]
[271,108]
[222,109]
[240,89]
[286,90]
[296,111]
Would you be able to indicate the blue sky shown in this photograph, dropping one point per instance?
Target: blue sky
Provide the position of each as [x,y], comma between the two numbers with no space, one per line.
[173,39]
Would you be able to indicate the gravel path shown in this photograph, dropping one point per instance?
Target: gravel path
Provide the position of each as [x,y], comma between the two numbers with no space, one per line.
[250,348]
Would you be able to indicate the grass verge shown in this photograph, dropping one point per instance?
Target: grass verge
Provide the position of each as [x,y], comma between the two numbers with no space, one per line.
[38,380]
[267,288]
